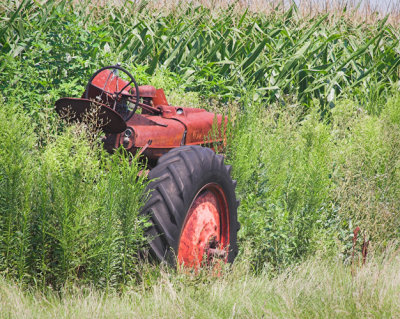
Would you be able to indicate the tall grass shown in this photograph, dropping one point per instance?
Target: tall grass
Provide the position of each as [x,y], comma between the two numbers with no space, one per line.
[315,289]
[68,211]
[17,148]
[306,183]
[285,176]
[368,169]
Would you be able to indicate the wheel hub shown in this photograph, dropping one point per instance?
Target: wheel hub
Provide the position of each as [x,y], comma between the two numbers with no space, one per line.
[205,235]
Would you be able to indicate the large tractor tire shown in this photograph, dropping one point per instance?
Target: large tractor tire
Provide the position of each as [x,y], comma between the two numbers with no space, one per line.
[192,208]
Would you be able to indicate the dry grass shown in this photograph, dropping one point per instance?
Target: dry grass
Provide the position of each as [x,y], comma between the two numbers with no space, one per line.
[318,288]
[358,11]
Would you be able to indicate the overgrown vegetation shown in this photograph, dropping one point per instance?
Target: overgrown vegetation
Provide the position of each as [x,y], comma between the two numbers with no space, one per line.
[222,53]
[314,145]
[319,288]
[68,210]
[307,182]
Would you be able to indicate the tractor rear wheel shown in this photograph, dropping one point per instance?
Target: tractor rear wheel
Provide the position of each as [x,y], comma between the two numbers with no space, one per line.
[192,208]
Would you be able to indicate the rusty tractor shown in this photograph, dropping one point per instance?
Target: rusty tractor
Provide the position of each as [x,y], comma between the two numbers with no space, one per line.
[192,205]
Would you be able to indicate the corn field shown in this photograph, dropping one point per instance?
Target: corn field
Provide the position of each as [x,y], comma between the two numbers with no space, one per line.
[221,52]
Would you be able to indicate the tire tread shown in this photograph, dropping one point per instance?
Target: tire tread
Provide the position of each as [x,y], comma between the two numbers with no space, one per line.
[171,191]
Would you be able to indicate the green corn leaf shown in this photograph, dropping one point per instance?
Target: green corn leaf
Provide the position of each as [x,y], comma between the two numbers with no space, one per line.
[13,17]
[254,55]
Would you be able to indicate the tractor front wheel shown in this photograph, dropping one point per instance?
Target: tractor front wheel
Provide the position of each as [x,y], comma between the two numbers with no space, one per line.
[192,208]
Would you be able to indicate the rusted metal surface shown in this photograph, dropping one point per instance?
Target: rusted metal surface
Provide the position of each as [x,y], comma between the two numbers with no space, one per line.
[165,125]
[106,82]
[159,98]
[206,228]
[144,148]
[364,249]
[146,91]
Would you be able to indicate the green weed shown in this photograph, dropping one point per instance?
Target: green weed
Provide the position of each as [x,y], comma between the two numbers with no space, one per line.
[68,211]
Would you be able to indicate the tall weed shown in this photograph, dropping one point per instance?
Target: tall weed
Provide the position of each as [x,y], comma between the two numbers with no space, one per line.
[307,182]
[17,164]
[367,173]
[69,211]
[283,162]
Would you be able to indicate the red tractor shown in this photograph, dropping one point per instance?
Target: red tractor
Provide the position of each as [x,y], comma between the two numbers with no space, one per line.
[192,204]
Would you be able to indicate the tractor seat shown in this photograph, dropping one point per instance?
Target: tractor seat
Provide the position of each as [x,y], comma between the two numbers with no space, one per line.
[148,91]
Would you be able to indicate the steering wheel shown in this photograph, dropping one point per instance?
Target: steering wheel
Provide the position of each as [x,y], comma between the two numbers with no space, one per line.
[122,101]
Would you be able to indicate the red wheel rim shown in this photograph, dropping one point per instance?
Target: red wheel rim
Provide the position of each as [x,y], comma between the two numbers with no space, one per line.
[205,232]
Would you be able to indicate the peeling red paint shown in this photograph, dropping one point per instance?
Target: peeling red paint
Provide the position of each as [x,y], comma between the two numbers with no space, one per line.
[206,228]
